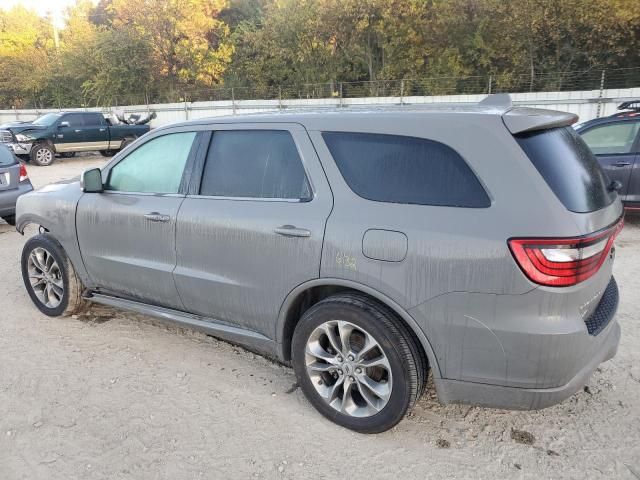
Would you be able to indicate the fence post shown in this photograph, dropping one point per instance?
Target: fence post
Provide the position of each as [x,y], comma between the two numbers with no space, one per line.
[340,94]
[601,94]
[279,98]
[490,83]
[233,101]
[186,108]
[401,91]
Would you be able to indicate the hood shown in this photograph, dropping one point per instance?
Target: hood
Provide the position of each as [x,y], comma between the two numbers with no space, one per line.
[17,123]
[25,128]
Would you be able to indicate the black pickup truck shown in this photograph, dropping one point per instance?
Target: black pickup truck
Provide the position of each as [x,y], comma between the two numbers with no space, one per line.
[66,133]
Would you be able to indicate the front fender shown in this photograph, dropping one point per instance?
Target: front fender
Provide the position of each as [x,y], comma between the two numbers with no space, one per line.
[54,208]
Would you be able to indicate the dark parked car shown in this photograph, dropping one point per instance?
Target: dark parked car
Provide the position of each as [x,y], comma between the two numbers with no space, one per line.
[365,248]
[67,133]
[615,141]
[14,182]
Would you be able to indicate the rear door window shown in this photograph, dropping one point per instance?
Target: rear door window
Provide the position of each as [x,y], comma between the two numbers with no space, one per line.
[613,138]
[254,164]
[569,167]
[400,169]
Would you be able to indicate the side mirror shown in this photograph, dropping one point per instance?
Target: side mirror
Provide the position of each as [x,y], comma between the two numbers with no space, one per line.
[91,181]
[63,124]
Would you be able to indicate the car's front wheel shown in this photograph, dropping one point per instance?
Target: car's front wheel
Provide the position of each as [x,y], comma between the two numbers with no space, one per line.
[49,277]
[357,363]
[42,155]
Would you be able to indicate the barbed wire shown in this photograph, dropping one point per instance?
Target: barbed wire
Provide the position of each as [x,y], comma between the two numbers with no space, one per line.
[592,79]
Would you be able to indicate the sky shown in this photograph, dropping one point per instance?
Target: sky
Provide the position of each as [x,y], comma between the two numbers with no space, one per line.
[55,7]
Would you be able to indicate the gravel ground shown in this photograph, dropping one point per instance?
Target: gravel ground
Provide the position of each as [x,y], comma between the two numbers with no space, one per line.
[120,396]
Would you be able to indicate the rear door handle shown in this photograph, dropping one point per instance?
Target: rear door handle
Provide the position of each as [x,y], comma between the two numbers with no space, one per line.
[621,164]
[291,231]
[77,130]
[103,129]
[157,217]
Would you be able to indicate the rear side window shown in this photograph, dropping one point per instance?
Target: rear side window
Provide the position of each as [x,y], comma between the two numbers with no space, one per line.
[92,119]
[254,164]
[399,169]
[569,168]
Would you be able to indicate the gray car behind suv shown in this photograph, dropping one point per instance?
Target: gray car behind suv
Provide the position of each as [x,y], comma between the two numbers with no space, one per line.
[14,182]
[365,248]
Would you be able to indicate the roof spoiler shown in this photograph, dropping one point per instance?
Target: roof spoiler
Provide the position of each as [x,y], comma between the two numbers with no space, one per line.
[526,119]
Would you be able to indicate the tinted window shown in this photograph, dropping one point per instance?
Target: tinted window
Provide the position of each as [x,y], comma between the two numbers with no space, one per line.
[612,138]
[254,164]
[398,169]
[154,167]
[569,168]
[92,119]
[74,119]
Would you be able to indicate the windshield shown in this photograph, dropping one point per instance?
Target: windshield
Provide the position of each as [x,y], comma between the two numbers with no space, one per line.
[47,120]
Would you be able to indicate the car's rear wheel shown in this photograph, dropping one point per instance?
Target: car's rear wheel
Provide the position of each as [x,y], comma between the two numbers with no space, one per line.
[42,154]
[10,219]
[357,363]
[50,279]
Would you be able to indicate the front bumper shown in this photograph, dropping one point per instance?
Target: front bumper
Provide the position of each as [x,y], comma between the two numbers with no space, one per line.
[19,148]
[8,198]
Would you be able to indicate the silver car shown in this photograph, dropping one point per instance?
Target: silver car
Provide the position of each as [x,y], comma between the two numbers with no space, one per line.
[14,181]
[364,248]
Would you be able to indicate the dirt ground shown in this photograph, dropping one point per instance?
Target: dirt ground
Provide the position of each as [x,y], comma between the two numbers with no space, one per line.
[113,395]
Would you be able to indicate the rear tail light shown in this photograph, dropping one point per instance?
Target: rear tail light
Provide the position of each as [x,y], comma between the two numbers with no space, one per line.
[563,262]
[24,176]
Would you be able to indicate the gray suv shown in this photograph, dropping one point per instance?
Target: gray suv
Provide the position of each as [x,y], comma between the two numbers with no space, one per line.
[364,248]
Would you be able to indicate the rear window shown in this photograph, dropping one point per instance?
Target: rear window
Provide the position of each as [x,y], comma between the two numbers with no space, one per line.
[399,169]
[6,157]
[569,168]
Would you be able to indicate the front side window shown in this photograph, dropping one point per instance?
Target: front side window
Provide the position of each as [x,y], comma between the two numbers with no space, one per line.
[154,167]
[74,119]
[612,138]
[400,169]
[254,164]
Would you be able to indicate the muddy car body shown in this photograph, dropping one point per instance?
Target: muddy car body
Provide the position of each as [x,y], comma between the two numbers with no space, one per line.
[366,248]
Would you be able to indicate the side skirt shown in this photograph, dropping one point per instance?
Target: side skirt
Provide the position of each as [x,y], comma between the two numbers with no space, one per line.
[247,338]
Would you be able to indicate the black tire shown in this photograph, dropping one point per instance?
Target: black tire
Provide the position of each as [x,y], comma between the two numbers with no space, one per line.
[42,154]
[71,302]
[126,142]
[10,219]
[108,153]
[408,365]
[68,154]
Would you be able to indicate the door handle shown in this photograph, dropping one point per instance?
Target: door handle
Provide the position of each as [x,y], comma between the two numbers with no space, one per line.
[103,129]
[621,164]
[77,130]
[291,231]
[157,217]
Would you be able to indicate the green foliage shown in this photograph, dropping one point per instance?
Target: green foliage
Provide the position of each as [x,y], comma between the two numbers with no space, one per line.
[137,51]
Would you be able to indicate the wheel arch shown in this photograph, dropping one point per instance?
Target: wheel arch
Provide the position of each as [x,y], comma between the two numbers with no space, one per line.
[309,293]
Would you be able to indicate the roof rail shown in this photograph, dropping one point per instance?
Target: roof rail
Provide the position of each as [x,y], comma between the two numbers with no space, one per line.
[630,105]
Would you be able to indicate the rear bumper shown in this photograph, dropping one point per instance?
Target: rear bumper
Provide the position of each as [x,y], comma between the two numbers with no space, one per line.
[496,396]
[8,198]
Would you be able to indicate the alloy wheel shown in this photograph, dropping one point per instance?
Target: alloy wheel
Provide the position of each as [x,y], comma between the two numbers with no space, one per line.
[44,156]
[348,368]
[45,277]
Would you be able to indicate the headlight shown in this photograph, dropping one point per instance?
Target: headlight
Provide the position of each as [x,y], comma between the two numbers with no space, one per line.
[23,138]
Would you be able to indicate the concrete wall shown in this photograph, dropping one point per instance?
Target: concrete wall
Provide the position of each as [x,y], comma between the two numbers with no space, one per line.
[583,103]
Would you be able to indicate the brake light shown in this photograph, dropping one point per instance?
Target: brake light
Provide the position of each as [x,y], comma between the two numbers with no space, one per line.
[564,262]
[24,176]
